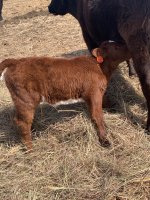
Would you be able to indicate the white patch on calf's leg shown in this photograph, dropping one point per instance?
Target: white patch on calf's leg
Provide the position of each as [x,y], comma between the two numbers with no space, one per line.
[3,74]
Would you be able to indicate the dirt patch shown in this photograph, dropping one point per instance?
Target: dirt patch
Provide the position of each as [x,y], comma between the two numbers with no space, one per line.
[67,161]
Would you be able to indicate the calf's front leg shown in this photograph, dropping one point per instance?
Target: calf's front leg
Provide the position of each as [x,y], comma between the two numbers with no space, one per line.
[95,105]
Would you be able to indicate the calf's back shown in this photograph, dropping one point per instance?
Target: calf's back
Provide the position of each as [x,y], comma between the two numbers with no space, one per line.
[56,79]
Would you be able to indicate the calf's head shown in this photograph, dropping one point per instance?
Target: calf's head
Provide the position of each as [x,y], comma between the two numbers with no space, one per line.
[112,51]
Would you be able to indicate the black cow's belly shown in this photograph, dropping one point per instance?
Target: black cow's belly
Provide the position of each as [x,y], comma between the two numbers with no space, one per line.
[100,22]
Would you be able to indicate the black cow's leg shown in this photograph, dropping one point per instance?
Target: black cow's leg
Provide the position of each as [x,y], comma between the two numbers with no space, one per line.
[138,46]
[89,41]
[1,6]
[131,67]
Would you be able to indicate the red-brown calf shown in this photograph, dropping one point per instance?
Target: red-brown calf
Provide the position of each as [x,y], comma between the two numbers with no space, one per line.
[56,79]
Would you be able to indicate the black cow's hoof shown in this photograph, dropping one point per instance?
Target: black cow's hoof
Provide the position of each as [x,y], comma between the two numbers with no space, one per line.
[147,131]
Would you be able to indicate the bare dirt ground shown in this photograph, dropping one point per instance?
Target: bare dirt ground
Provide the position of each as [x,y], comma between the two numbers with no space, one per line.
[67,162]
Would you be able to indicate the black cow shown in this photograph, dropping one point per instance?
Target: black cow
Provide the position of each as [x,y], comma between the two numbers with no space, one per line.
[1,6]
[119,20]
[76,10]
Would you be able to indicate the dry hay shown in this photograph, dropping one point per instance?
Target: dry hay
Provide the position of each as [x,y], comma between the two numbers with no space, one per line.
[67,161]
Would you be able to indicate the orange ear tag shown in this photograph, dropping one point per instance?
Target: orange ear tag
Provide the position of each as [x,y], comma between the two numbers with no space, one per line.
[100,59]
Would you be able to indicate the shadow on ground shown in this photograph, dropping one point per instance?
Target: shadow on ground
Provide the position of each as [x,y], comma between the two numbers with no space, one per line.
[76,53]
[45,116]
[28,15]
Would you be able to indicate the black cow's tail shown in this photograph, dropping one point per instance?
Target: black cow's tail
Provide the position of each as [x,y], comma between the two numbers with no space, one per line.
[7,63]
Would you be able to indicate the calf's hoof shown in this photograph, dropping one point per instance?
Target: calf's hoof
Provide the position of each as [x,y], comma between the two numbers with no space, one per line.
[105,143]
[27,145]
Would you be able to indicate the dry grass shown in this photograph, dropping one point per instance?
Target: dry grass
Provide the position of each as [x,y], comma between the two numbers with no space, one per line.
[67,162]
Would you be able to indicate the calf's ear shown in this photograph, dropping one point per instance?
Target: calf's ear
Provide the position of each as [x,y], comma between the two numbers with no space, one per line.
[95,52]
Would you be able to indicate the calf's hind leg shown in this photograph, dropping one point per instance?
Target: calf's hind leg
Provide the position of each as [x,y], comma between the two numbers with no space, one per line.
[25,103]
[24,118]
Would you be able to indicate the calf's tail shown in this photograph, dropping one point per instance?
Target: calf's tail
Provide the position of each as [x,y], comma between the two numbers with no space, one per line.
[7,63]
